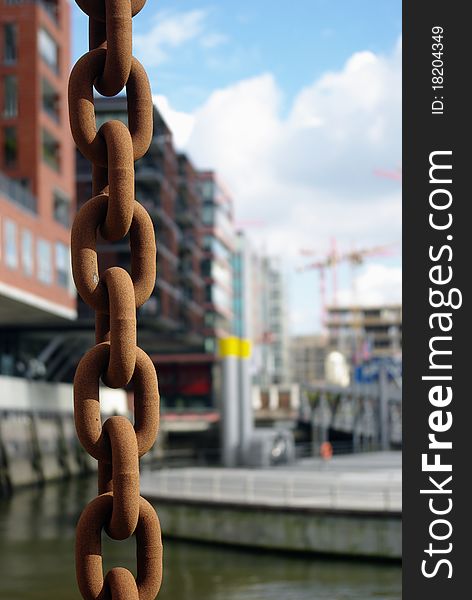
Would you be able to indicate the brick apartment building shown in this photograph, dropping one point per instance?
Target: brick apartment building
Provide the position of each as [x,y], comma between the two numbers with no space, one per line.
[219,244]
[37,193]
[188,216]
[171,322]
[167,186]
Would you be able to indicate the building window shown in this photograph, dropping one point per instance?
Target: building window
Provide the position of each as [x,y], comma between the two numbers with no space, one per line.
[10,96]
[10,146]
[11,248]
[50,99]
[207,190]
[104,117]
[44,261]
[51,7]
[51,153]
[210,345]
[209,319]
[62,265]
[10,43]
[206,268]
[208,215]
[48,49]
[61,208]
[27,252]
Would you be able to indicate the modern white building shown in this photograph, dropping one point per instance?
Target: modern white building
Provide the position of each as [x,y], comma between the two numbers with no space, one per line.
[272,344]
[261,312]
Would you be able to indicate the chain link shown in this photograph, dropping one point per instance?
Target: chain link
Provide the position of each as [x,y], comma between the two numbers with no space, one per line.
[96,9]
[89,560]
[114,295]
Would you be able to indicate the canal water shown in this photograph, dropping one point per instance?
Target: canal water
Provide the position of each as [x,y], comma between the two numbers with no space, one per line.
[37,560]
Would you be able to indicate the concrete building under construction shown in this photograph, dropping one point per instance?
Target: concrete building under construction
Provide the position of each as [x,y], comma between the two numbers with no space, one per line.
[308,354]
[362,332]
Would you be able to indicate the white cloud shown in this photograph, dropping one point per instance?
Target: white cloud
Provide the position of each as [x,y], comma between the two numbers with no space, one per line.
[234,130]
[181,123]
[213,40]
[376,285]
[309,175]
[171,30]
[308,172]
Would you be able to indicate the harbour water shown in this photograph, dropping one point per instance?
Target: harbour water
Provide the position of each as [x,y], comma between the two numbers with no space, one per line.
[37,560]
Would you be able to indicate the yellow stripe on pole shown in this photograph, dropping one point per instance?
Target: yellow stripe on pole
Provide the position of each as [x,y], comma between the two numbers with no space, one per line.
[245,348]
[228,346]
[233,346]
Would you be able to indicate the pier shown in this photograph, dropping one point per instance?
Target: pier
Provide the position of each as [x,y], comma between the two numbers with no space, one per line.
[349,507]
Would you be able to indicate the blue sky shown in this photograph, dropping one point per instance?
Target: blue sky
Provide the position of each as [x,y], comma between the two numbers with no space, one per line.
[296,41]
[297,105]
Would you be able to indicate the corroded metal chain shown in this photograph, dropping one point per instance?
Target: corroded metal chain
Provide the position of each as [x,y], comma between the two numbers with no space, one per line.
[114,295]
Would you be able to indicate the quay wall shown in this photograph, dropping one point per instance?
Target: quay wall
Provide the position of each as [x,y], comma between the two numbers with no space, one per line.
[353,534]
[38,442]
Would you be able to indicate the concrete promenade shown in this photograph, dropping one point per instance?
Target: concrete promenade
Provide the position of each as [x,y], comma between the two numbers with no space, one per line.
[362,482]
[349,507]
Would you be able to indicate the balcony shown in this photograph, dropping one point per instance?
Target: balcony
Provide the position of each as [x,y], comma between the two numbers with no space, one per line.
[50,100]
[164,252]
[186,272]
[161,217]
[17,194]
[188,244]
[50,6]
[193,307]
[148,169]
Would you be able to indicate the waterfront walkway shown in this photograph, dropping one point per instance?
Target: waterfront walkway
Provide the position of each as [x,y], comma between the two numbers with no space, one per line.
[369,482]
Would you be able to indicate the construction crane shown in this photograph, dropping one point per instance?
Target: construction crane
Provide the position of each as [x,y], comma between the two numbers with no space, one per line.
[395,174]
[321,266]
[356,258]
[331,260]
[359,346]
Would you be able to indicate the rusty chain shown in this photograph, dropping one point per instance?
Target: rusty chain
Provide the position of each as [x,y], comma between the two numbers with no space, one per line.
[114,295]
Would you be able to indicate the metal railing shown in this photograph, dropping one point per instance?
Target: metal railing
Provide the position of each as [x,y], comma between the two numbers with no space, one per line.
[17,194]
[278,488]
[311,449]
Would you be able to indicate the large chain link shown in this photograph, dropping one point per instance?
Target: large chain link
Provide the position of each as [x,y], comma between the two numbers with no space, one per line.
[114,295]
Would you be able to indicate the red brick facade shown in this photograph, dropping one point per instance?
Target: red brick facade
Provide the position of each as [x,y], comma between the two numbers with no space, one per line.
[36,152]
